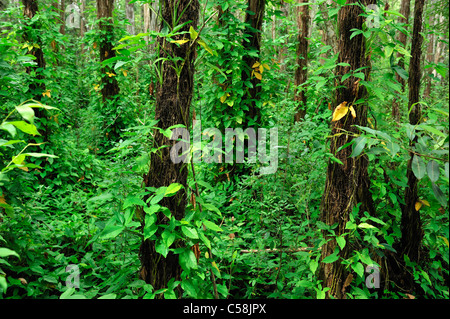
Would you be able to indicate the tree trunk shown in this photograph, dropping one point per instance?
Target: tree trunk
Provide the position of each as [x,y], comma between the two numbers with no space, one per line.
[402,37]
[129,8]
[146,17]
[173,100]
[410,224]
[253,18]
[110,87]
[37,86]
[347,184]
[301,73]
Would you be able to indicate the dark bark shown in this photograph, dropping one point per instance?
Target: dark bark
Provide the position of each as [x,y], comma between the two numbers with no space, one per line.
[37,85]
[301,73]
[110,87]
[253,18]
[173,100]
[410,224]
[402,37]
[347,184]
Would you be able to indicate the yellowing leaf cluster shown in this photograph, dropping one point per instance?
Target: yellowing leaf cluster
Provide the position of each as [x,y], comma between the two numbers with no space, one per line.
[342,110]
[258,70]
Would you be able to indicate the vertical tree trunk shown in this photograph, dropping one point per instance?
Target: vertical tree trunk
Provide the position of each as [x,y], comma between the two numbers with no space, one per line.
[129,9]
[254,19]
[285,30]
[410,224]
[429,58]
[146,17]
[301,73]
[402,37]
[347,184]
[110,87]
[154,20]
[173,100]
[62,28]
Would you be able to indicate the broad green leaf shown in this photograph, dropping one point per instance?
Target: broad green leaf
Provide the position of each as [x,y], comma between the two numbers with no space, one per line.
[433,170]
[341,242]
[205,240]
[26,112]
[108,296]
[5,252]
[205,46]
[41,106]
[188,260]
[18,159]
[418,167]
[149,230]
[331,258]
[172,189]
[358,146]
[359,269]
[161,248]
[432,130]
[441,198]
[8,128]
[112,231]
[189,232]
[133,200]
[211,225]
[366,226]
[25,127]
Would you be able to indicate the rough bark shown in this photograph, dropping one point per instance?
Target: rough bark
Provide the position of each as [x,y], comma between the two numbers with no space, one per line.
[110,87]
[301,73]
[410,224]
[402,37]
[173,100]
[254,19]
[347,184]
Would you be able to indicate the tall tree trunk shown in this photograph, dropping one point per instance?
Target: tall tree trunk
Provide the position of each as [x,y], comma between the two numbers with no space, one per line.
[402,37]
[62,28]
[173,100]
[146,18]
[347,184]
[301,73]
[283,49]
[410,224]
[253,18]
[430,56]
[110,87]
[129,9]
[37,86]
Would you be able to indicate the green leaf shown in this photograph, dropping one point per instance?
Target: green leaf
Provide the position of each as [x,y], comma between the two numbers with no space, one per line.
[433,170]
[341,242]
[161,248]
[432,130]
[8,128]
[205,240]
[172,189]
[132,201]
[26,112]
[112,231]
[189,232]
[193,33]
[205,46]
[418,167]
[366,226]
[446,169]
[441,198]
[188,260]
[359,145]
[25,127]
[40,155]
[211,225]
[108,296]
[331,258]
[359,269]
[4,252]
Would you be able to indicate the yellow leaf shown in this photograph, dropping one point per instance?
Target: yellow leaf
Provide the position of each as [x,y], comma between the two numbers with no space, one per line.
[425,202]
[2,199]
[266,66]
[125,72]
[418,205]
[223,98]
[179,41]
[215,266]
[97,87]
[352,110]
[258,76]
[261,69]
[257,64]
[340,111]
[110,74]
[46,93]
